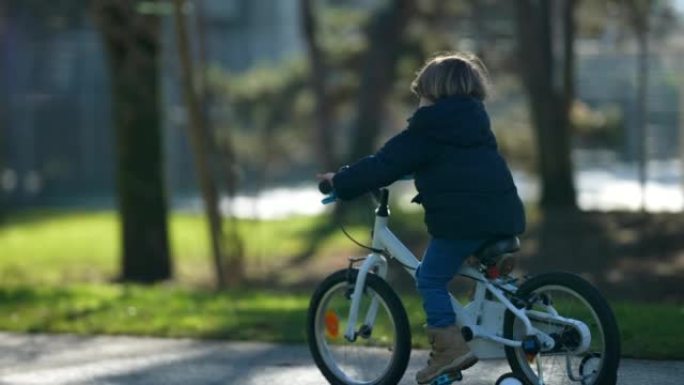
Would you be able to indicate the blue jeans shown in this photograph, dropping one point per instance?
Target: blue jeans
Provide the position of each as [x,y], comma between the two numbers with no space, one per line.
[442,260]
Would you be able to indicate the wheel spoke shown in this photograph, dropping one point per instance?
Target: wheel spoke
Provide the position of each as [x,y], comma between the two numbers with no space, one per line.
[378,351]
[580,335]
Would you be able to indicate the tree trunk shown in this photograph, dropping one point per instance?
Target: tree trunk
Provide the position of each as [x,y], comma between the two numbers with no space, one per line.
[4,103]
[132,43]
[642,108]
[377,78]
[640,14]
[681,136]
[550,94]
[477,16]
[569,32]
[232,246]
[197,132]
[323,128]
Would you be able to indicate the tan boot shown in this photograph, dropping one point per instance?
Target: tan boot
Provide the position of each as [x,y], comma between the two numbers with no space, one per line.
[449,353]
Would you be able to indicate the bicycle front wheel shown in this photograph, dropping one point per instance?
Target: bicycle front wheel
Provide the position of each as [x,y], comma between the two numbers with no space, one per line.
[588,355]
[379,353]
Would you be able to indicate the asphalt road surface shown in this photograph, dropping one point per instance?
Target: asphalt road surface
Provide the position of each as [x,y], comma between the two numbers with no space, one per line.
[101,360]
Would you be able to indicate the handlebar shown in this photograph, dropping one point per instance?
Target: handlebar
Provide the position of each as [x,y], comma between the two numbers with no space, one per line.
[325,187]
[381,195]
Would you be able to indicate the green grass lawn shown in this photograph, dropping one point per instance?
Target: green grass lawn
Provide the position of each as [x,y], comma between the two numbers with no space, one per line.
[65,247]
[648,330]
[55,269]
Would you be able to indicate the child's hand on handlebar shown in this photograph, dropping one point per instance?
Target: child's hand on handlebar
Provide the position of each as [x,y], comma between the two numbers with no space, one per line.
[326,184]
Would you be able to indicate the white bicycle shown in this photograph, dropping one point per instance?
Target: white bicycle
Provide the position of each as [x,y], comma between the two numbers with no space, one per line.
[554,328]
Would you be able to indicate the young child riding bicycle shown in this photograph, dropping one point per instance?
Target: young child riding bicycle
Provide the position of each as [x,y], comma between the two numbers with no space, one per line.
[463,184]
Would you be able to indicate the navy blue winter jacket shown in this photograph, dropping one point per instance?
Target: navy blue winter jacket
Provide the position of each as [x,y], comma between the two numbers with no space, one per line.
[462,181]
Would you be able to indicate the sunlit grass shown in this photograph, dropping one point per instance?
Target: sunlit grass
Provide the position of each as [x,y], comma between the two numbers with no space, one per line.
[56,247]
[157,311]
[648,330]
[55,268]
[65,247]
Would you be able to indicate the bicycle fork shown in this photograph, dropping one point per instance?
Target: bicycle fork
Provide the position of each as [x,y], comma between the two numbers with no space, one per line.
[375,262]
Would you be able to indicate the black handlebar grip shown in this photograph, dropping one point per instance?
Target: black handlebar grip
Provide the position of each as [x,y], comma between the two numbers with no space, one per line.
[325,187]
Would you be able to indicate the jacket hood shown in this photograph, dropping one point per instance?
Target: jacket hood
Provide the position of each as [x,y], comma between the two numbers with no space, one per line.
[457,120]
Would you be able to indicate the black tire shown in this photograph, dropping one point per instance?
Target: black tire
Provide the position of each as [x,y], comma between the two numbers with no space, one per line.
[402,348]
[611,334]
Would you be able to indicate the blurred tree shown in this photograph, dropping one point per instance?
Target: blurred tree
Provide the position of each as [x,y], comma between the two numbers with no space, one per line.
[3,103]
[228,267]
[344,63]
[223,151]
[319,73]
[479,33]
[268,109]
[277,102]
[639,12]
[133,46]
[385,33]
[645,19]
[546,33]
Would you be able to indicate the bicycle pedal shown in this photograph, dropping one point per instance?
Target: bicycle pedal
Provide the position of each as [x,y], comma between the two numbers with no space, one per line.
[447,378]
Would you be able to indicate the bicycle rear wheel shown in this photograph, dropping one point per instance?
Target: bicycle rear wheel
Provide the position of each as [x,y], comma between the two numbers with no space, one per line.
[379,355]
[568,362]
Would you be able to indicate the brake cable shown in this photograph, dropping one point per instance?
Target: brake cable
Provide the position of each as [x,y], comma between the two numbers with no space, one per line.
[373,249]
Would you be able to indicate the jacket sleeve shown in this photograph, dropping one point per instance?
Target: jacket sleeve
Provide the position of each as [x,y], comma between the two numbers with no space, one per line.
[401,155]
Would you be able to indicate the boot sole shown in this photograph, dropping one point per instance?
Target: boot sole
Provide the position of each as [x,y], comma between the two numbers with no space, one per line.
[465,363]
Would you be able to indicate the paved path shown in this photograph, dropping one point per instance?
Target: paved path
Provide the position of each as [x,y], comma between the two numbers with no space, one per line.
[66,359]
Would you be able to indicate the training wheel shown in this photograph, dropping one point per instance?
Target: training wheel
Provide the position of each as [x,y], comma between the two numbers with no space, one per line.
[589,367]
[509,379]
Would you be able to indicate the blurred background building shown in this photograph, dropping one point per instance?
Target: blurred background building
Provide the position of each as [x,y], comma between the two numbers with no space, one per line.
[58,135]
[58,145]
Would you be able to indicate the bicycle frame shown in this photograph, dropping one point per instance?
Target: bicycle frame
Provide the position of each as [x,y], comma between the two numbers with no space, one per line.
[484,317]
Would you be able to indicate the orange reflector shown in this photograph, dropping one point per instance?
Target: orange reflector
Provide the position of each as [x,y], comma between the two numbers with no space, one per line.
[506,265]
[493,272]
[332,324]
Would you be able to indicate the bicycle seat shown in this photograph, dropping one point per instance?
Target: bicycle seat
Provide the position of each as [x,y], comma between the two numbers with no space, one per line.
[490,253]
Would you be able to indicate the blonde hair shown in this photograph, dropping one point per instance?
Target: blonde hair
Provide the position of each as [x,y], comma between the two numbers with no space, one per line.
[451,74]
